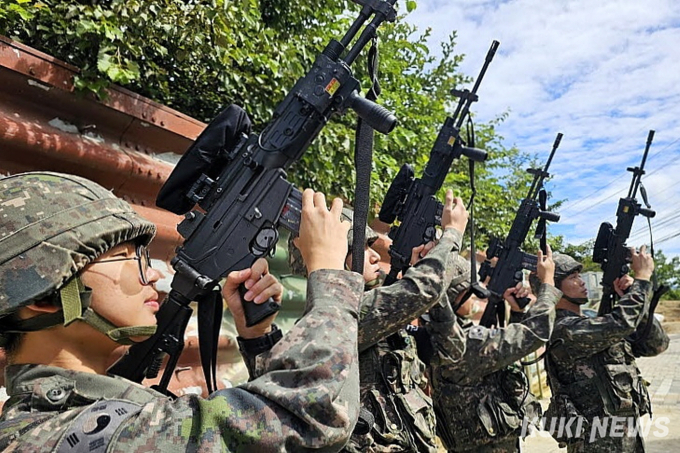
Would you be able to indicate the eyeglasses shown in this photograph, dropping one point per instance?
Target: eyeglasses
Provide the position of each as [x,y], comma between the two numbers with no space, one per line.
[143,259]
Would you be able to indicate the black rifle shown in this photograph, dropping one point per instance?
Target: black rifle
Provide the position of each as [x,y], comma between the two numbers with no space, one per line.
[610,248]
[511,259]
[245,196]
[412,201]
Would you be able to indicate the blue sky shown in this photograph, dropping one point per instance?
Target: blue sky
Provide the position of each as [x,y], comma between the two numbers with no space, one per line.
[602,73]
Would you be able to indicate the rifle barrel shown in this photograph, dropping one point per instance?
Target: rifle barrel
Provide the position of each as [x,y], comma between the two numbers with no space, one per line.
[470,98]
[540,175]
[639,171]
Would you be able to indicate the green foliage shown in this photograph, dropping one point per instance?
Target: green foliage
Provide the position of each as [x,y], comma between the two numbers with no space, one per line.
[198,56]
[667,272]
[583,253]
[195,56]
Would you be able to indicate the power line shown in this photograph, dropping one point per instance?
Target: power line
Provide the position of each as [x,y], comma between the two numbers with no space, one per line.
[669,237]
[662,222]
[570,206]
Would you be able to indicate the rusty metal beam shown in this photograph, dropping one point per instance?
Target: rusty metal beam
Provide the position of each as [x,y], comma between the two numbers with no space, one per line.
[116,142]
[53,73]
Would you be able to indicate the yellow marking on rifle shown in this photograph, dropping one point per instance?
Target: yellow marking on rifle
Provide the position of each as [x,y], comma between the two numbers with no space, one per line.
[332,86]
[625,209]
[452,139]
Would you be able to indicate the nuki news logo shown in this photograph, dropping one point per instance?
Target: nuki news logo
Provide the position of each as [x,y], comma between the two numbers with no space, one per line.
[591,430]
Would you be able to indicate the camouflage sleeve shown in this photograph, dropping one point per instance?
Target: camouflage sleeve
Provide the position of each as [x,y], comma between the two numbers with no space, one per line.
[385,310]
[656,342]
[446,334]
[251,360]
[489,350]
[308,399]
[578,336]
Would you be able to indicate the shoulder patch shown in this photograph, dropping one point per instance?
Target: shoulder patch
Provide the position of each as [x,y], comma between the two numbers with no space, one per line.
[93,429]
[476,333]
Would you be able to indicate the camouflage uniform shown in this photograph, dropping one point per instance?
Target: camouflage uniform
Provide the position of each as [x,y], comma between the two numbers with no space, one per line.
[392,376]
[480,395]
[392,379]
[592,370]
[305,397]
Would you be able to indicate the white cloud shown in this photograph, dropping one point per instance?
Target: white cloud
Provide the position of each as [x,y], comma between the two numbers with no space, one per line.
[603,73]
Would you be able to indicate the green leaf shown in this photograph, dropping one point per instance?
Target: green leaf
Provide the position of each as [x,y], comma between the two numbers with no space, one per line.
[411,5]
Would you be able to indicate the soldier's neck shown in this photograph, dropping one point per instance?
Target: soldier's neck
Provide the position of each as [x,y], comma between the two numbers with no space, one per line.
[564,304]
[52,348]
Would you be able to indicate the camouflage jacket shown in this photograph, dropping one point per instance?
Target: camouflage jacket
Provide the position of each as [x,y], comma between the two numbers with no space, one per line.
[480,396]
[387,309]
[306,400]
[592,370]
[392,376]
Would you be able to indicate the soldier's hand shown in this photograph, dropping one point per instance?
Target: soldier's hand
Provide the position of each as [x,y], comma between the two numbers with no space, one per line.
[517,292]
[641,263]
[622,284]
[454,214]
[323,236]
[417,253]
[545,267]
[261,285]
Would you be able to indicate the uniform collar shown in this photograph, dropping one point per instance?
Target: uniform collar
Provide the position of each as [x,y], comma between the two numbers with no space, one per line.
[562,313]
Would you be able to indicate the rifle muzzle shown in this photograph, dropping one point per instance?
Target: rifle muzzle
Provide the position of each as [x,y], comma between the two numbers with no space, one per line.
[377,116]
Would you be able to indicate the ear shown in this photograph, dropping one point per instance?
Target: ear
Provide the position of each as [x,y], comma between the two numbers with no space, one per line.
[42,306]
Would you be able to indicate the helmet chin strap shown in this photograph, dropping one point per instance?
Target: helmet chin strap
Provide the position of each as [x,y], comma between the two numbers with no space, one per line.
[378,281]
[576,300]
[75,300]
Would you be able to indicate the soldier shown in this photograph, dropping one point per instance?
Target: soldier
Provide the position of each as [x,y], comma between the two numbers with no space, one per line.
[75,282]
[397,415]
[591,361]
[481,395]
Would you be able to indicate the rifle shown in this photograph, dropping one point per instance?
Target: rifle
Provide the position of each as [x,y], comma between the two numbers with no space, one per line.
[245,196]
[610,248]
[511,259]
[412,201]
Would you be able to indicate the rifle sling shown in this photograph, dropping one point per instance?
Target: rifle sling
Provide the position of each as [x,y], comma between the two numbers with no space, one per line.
[363,158]
[209,323]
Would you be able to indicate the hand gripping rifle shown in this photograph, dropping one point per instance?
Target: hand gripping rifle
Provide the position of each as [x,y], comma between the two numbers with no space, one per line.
[610,248]
[244,196]
[412,201]
[511,259]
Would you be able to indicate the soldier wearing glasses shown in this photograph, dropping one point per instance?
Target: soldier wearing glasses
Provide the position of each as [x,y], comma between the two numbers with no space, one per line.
[75,283]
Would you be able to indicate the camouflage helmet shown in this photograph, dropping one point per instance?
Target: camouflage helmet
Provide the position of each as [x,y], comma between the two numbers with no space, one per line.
[565,265]
[51,226]
[461,277]
[297,265]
